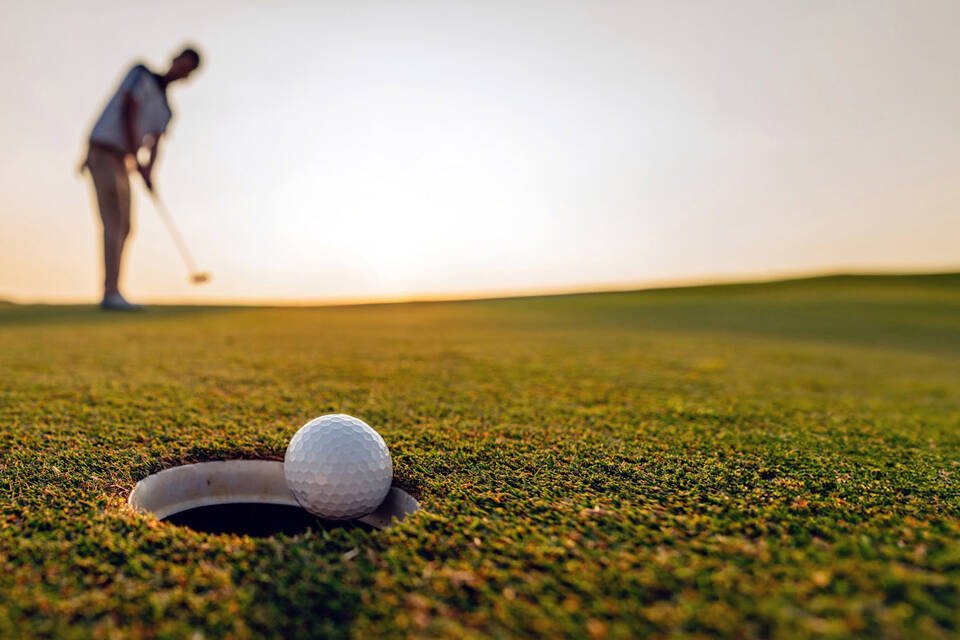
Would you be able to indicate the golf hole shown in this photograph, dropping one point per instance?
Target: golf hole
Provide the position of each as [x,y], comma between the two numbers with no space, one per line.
[246,497]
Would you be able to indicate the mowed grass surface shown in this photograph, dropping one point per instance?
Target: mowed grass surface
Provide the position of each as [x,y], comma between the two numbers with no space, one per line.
[776,460]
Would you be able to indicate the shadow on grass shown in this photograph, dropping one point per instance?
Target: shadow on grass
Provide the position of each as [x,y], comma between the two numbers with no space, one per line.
[913,313]
[13,315]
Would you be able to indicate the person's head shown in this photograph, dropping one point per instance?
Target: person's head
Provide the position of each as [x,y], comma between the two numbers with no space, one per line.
[183,64]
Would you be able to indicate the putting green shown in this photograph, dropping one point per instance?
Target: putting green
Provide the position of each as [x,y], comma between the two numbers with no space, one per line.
[748,461]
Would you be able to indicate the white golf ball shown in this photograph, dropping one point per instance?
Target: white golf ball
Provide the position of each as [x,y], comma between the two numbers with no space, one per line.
[338,467]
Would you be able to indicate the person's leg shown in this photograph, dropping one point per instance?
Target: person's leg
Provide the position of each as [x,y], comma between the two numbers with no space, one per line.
[112,185]
[109,174]
[123,231]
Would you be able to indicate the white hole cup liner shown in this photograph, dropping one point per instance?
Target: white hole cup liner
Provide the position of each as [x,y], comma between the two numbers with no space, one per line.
[229,481]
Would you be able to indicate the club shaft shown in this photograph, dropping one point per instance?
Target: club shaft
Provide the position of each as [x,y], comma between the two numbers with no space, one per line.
[177,237]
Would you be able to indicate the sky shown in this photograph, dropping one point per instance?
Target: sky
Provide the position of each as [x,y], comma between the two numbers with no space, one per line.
[384,150]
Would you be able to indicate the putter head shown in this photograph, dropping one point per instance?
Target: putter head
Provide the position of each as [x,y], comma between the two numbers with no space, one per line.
[200,278]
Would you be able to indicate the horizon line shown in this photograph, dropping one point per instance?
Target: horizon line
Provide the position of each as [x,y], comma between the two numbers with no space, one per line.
[499,294]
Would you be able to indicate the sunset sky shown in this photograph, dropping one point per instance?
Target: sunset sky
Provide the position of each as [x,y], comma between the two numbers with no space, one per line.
[386,150]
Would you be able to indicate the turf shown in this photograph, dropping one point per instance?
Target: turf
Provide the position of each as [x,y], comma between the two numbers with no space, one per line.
[770,460]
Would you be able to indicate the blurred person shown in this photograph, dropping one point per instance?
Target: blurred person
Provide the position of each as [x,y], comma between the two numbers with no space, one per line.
[127,137]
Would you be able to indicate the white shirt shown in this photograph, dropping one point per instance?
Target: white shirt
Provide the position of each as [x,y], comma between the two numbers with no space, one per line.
[152,117]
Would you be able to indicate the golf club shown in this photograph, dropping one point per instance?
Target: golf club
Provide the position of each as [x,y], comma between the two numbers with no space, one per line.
[196,276]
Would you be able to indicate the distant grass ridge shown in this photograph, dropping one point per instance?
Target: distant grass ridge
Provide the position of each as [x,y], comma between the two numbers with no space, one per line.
[746,461]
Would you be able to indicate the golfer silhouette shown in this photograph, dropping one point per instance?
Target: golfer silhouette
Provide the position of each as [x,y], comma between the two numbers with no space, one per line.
[127,137]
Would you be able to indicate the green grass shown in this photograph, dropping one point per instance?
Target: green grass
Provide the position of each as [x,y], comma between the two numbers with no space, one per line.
[762,460]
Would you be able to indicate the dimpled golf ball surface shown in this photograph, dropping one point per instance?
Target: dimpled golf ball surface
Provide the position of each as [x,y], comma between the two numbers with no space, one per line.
[338,467]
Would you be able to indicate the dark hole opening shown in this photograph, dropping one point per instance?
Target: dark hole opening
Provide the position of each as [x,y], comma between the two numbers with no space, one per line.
[257,519]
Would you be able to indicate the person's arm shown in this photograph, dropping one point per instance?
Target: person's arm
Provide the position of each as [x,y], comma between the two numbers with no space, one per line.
[146,170]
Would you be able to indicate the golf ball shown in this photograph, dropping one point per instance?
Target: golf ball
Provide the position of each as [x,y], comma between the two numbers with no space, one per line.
[338,467]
